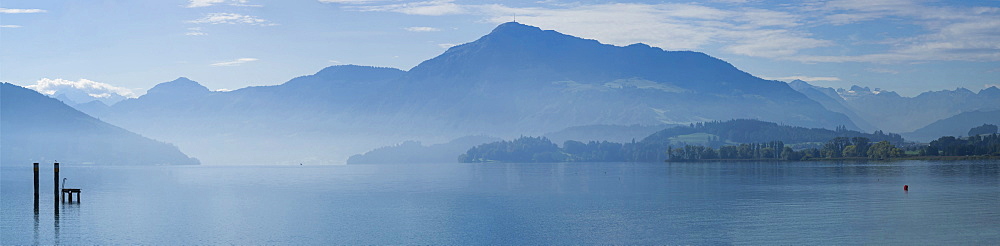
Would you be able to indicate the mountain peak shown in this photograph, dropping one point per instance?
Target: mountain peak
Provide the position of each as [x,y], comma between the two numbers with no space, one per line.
[799,83]
[514,27]
[513,33]
[992,90]
[344,75]
[179,86]
[341,70]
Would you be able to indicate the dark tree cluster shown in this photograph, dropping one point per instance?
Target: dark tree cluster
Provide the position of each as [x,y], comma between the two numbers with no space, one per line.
[523,149]
[747,151]
[972,145]
[755,131]
[540,149]
[846,147]
[761,141]
[983,129]
[839,147]
[593,151]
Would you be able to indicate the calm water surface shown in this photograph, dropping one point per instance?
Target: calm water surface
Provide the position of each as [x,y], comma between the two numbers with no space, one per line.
[573,203]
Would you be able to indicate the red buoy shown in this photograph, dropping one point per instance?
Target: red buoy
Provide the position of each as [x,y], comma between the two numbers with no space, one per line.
[906,187]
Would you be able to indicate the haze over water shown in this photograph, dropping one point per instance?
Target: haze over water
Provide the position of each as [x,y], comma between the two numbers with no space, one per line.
[574,203]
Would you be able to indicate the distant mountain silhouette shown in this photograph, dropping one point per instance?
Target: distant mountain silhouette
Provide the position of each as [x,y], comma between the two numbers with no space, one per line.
[73,96]
[892,112]
[610,133]
[516,80]
[309,119]
[37,128]
[415,152]
[529,79]
[829,98]
[888,111]
[957,125]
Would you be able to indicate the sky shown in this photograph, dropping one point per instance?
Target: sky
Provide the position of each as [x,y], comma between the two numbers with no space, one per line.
[126,47]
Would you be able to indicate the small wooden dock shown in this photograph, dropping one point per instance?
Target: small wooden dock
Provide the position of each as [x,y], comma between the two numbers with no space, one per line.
[70,192]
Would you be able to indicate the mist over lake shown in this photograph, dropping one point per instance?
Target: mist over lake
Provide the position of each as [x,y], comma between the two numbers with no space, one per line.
[563,203]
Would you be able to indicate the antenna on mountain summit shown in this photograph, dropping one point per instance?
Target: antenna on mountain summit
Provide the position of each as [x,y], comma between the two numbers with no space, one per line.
[515,17]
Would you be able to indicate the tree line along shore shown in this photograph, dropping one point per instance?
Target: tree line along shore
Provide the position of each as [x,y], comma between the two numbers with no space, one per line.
[717,144]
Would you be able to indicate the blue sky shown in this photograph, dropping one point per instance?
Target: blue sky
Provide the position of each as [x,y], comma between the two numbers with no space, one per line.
[126,47]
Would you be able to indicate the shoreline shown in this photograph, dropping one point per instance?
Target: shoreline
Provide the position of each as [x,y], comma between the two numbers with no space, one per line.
[921,158]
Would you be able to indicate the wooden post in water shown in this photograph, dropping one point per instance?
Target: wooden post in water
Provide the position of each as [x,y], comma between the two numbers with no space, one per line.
[55,180]
[36,183]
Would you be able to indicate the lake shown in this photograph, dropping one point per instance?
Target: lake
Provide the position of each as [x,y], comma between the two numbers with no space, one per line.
[953,202]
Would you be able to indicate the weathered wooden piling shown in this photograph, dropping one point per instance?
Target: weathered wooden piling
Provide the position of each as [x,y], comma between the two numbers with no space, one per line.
[55,180]
[36,182]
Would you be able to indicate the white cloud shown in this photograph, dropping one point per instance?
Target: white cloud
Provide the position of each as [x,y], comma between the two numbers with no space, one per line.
[802,78]
[203,3]
[350,1]
[949,33]
[335,62]
[231,18]
[422,29]
[206,3]
[21,11]
[882,70]
[236,62]
[433,8]
[92,88]
[447,45]
[774,43]
[195,31]
[745,31]
[10,26]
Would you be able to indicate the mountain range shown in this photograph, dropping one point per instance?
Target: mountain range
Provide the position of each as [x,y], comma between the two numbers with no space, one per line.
[516,80]
[36,128]
[888,111]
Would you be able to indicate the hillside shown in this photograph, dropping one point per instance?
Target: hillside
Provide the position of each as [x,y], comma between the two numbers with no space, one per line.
[610,133]
[415,152]
[37,128]
[957,125]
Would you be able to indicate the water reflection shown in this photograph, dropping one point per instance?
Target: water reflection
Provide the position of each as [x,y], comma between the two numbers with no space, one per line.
[36,219]
[497,203]
[983,168]
[55,224]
